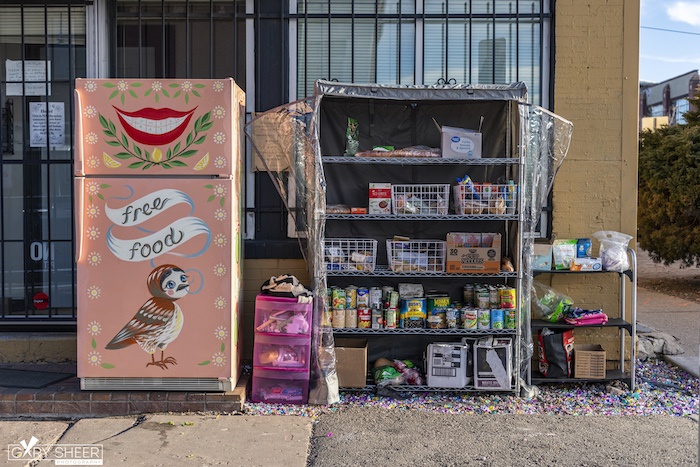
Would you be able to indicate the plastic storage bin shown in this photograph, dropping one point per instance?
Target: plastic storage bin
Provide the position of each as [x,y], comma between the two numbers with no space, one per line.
[350,254]
[282,316]
[274,352]
[416,255]
[280,386]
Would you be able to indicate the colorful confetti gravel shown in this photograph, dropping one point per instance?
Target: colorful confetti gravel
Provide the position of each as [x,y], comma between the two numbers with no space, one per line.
[662,389]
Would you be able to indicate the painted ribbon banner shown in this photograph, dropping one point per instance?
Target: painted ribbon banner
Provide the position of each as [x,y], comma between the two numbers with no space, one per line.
[147,207]
[163,241]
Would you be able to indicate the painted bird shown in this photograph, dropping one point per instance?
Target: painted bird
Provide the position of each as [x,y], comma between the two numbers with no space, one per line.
[159,321]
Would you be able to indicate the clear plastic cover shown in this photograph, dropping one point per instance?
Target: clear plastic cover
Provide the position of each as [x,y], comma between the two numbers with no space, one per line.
[286,143]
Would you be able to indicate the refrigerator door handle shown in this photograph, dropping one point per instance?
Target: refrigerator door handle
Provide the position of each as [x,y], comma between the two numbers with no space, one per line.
[79,213]
[78,167]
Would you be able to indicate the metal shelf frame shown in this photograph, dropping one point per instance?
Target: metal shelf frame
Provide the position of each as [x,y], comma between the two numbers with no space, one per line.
[384,271]
[421,217]
[407,161]
[424,331]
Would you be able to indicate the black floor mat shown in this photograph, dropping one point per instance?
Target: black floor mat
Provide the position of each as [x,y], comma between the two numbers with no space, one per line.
[30,379]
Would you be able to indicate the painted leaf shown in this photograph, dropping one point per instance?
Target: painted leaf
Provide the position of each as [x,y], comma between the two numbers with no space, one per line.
[205,362]
[93,343]
[133,94]
[136,165]
[157,96]
[211,198]
[201,140]
[104,185]
[90,198]
[168,154]
[205,117]
[122,98]
[109,85]
[222,202]
[137,150]
[99,195]
[187,98]
[136,85]
[148,156]
[147,166]
[209,186]
[112,128]
[103,121]
[223,347]
[188,141]
[109,133]
[114,94]
[199,86]
[165,93]
[196,93]
[178,164]
[206,126]
[189,153]
[166,165]
[174,85]
[176,148]
[148,92]
[177,94]
[113,143]
[198,125]
[123,155]
[125,141]
[107,366]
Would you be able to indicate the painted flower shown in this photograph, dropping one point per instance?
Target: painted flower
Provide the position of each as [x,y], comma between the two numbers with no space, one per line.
[220,240]
[93,162]
[94,292]
[219,137]
[89,111]
[219,270]
[218,86]
[90,86]
[93,233]
[218,112]
[220,191]
[157,86]
[91,138]
[218,359]
[92,188]
[94,258]
[220,162]
[221,333]
[94,328]
[93,211]
[220,303]
[123,86]
[94,358]
[220,214]
[186,86]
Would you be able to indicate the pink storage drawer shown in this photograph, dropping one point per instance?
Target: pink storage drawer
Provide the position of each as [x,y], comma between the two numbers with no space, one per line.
[280,386]
[282,316]
[279,353]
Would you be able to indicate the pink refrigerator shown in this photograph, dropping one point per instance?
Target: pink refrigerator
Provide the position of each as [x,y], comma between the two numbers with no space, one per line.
[158,199]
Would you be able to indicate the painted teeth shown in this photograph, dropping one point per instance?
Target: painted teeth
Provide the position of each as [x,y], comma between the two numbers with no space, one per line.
[154,127]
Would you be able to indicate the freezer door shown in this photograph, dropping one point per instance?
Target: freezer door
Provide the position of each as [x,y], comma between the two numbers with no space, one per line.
[159,272]
[148,127]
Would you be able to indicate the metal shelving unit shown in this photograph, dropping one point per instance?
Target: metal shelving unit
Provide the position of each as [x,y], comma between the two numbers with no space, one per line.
[384,271]
[620,323]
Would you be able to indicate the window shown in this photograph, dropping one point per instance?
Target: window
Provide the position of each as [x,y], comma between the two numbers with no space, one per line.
[423,42]
[42,50]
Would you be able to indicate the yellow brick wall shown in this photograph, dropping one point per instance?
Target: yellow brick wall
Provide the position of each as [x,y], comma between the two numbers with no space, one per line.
[255,272]
[596,88]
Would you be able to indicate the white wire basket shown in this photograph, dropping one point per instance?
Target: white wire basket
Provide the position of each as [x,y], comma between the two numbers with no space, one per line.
[416,255]
[420,199]
[492,199]
[350,254]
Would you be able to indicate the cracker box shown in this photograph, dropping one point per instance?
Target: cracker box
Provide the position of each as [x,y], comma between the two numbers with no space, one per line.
[380,198]
[492,363]
[462,259]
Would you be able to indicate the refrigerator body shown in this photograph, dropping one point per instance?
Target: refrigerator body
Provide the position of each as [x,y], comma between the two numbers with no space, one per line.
[158,205]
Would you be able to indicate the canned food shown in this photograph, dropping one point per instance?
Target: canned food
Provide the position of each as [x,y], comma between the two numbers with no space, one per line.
[364,318]
[394,299]
[386,292]
[329,298]
[469,318]
[437,301]
[496,319]
[412,313]
[362,297]
[390,318]
[483,319]
[338,299]
[351,318]
[493,297]
[509,318]
[468,294]
[327,317]
[338,318]
[377,318]
[482,299]
[507,297]
[437,318]
[375,297]
[452,317]
[351,297]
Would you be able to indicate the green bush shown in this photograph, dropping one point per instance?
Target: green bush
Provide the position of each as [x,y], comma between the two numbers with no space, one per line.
[669,192]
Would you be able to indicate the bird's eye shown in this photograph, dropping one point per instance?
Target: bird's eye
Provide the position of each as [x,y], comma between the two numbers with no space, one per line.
[170,285]
[183,278]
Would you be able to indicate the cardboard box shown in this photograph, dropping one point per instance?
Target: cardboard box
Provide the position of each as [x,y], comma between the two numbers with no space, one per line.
[380,198]
[446,364]
[461,259]
[492,364]
[351,362]
[589,361]
[460,143]
[542,256]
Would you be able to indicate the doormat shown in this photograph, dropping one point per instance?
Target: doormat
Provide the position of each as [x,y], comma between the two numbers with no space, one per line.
[30,379]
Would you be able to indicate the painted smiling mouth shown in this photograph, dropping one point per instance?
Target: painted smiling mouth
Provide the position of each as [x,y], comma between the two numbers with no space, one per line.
[154,127]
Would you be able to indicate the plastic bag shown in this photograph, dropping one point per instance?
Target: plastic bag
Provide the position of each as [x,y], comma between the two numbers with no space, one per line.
[613,250]
[548,304]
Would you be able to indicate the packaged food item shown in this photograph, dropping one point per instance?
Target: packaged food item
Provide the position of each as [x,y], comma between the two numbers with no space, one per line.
[469,317]
[351,296]
[613,250]
[583,248]
[564,252]
[497,319]
[351,318]
[380,198]
[357,210]
[352,138]
[483,319]
[338,209]
[586,264]
[338,318]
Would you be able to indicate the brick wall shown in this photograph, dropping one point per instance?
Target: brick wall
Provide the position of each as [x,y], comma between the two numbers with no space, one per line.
[596,87]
